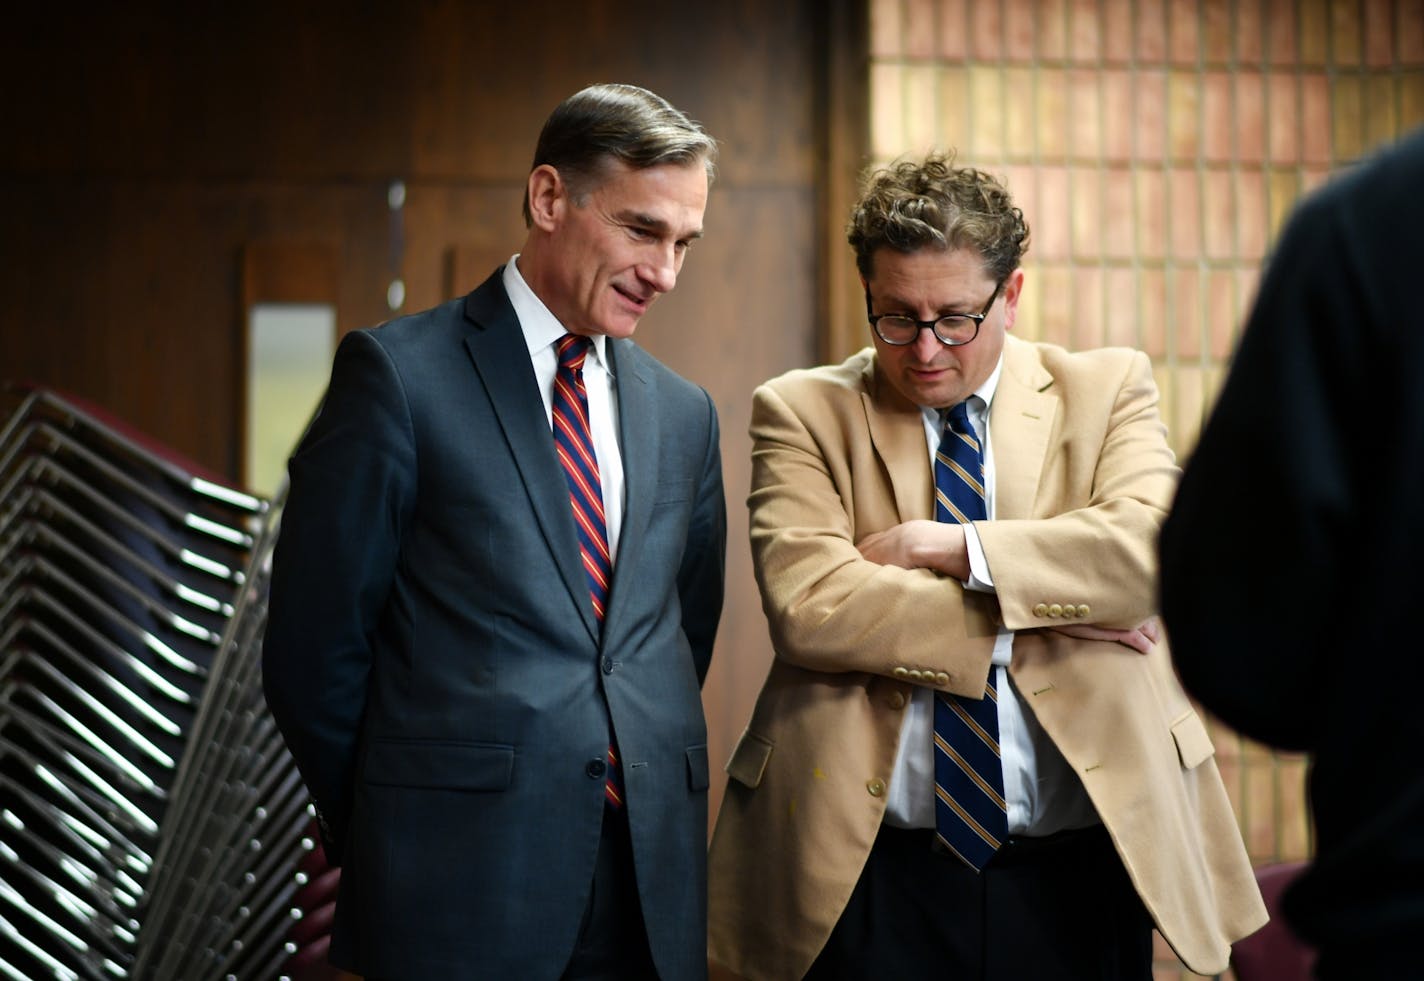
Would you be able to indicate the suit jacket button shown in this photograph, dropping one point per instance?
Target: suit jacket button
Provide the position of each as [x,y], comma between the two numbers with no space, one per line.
[896,700]
[1084,609]
[1069,610]
[1055,610]
[901,673]
[876,788]
[595,769]
[1040,610]
[608,665]
[915,675]
[942,679]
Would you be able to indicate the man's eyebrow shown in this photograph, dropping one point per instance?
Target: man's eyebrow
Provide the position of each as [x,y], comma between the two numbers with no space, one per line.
[653,224]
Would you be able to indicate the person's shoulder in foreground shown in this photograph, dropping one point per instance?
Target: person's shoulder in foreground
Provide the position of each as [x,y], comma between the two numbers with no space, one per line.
[1306,484]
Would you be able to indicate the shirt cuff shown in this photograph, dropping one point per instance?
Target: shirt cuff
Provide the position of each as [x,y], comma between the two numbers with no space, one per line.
[979,578]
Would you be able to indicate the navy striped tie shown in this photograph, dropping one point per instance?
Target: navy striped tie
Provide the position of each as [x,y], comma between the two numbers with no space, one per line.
[971,818]
[573,441]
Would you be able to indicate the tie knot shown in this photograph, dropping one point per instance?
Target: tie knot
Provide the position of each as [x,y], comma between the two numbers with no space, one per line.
[959,419]
[572,349]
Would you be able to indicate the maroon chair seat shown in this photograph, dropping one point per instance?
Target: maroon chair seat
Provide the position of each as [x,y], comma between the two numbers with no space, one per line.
[1274,952]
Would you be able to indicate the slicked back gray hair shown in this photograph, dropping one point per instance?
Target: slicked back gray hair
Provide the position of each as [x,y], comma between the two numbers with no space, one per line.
[617,122]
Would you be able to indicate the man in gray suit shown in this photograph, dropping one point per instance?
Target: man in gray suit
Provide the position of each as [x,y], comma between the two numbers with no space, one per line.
[496,590]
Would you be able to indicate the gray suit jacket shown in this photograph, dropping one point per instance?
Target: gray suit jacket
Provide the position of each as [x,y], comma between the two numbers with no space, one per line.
[433,661]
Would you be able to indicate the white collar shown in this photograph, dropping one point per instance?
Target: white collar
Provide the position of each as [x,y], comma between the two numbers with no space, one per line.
[541,328]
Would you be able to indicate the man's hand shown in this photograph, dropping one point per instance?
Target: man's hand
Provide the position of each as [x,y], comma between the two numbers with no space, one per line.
[1141,638]
[936,545]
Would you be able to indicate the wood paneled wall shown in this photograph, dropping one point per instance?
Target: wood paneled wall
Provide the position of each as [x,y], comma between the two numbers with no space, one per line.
[147,152]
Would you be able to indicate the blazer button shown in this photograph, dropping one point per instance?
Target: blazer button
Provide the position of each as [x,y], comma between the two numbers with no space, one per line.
[1041,610]
[608,665]
[1055,610]
[1069,610]
[915,675]
[876,788]
[896,700]
[942,679]
[595,769]
[1084,609]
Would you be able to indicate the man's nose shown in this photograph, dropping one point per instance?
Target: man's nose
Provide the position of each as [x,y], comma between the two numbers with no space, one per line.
[660,270]
[927,346]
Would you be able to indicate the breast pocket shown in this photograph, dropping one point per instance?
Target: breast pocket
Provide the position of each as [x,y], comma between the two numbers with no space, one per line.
[672,492]
[668,516]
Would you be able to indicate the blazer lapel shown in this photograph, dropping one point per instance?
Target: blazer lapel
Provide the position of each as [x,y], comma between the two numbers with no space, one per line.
[1020,424]
[638,442]
[497,349]
[897,431]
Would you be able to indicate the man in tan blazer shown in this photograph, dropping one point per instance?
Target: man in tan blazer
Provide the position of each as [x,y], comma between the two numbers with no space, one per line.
[831,857]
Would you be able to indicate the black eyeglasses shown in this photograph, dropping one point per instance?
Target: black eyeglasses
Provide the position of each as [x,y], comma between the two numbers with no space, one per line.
[953,329]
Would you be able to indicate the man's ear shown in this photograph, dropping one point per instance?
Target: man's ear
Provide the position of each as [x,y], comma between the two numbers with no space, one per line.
[1013,289]
[548,196]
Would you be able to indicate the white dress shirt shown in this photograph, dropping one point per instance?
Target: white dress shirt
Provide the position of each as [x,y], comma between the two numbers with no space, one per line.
[541,331]
[1042,792]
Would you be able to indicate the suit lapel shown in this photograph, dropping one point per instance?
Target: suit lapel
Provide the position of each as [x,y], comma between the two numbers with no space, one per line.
[1020,424]
[897,431]
[638,442]
[497,349]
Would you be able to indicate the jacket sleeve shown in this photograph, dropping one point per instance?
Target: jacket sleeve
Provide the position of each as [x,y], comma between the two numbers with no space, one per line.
[701,576]
[1099,552]
[829,609]
[352,486]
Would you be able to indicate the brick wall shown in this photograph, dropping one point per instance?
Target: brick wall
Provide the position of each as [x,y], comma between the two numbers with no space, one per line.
[1155,147]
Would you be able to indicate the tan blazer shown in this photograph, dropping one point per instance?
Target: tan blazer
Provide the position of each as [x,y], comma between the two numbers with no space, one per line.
[1083,479]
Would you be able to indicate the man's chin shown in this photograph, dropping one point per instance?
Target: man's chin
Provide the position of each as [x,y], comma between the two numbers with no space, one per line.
[621,329]
[615,327]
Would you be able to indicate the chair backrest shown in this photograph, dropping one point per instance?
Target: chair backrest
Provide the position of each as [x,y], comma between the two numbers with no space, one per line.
[1274,952]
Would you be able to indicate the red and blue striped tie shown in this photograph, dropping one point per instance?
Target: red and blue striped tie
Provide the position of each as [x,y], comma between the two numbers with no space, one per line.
[971,818]
[573,440]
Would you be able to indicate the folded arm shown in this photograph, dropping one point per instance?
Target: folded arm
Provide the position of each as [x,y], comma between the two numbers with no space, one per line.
[943,547]
[1101,553]
[831,608]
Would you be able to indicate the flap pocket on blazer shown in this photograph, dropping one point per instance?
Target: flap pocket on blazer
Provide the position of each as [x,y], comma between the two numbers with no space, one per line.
[698,777]
[1193,743]
[748,761]
[448,766]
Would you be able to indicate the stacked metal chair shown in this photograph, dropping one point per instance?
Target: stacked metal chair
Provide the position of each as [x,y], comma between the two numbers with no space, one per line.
[152,824]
